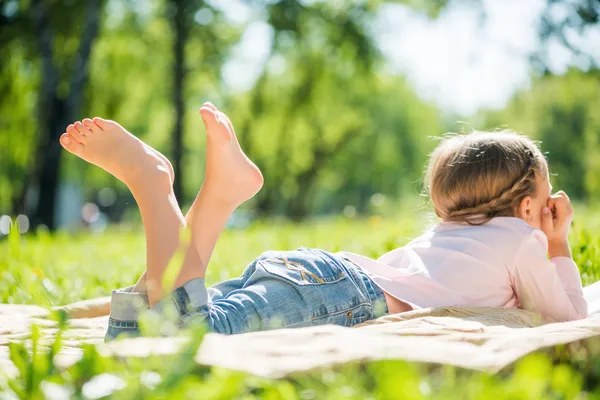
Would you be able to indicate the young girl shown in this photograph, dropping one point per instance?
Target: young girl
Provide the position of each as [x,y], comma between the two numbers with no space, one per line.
[491,190]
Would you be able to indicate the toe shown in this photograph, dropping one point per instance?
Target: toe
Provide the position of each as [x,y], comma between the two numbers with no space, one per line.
[70,144]
[74,133]
[216,125]
[105,123]
[209,117]
[210,105]
[225,120]
[82,129]
[88,123]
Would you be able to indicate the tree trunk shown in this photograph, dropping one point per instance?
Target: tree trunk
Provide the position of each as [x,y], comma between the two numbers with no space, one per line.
[181,37]
[55,113]
[50,165]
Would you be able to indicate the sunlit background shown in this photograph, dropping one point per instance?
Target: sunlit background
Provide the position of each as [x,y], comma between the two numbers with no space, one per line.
[336,101]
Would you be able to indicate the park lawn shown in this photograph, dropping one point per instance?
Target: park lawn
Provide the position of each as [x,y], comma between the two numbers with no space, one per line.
[58,269]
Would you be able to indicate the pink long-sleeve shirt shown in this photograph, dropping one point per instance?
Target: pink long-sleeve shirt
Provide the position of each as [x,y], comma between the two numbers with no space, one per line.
[500,264]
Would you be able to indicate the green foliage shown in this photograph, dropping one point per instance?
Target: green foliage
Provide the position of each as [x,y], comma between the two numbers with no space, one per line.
[18,81]
[63,268]
[561,112]
[352,137]
[35,365]
[321,103]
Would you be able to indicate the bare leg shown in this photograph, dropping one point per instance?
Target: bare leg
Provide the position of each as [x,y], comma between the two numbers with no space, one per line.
[149,177]
[231,179]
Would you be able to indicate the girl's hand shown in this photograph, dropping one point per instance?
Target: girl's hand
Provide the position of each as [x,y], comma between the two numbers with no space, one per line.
[556,221]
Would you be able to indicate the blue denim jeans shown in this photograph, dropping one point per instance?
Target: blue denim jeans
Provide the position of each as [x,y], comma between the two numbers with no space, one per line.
[299,288]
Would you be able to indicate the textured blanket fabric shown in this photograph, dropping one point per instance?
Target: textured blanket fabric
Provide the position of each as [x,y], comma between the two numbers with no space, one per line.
[476,338]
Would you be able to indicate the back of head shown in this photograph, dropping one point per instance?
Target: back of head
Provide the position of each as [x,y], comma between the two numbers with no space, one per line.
[476,177]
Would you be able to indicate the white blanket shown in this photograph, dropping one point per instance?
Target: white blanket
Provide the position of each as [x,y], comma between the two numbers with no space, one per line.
[477,338]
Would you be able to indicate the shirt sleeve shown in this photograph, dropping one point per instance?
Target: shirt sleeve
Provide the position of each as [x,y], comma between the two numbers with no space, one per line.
[549,287]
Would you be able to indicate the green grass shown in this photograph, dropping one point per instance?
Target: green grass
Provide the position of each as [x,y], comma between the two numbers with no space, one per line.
[62,268]
[66,268]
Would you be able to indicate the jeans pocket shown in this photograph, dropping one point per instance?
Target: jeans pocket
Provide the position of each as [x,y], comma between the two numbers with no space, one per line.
[303,267]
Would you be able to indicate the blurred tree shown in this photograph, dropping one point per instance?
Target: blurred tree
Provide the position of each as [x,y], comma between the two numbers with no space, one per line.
[182,21]
[18,80]
[312,113]
[40,25]
[561,112]
[129,45]
[56,108]
[390,159]
[327,55]
[191,18]
[570,25]
[313,120]
[316,42]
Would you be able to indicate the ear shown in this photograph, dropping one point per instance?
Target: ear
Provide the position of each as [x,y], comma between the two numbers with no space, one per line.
[525,209]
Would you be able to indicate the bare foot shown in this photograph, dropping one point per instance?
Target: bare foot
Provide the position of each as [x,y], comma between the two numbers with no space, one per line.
[231,177]
[109,146]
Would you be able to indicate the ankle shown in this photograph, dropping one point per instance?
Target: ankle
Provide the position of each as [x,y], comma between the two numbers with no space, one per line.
[219,203]
[154,176]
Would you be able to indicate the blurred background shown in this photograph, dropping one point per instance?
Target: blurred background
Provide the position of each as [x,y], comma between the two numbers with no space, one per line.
[336,101]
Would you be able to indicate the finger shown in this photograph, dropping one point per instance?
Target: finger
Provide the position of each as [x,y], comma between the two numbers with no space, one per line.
[562,193]
[547,224]
[562,206]
[552,206]
[567,201]
[560,197]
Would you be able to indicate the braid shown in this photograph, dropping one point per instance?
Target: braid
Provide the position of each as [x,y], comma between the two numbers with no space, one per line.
[503,205]
[474,178]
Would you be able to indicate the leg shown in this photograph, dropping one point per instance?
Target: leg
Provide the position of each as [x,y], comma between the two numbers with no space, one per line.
[149,177]
[231,179]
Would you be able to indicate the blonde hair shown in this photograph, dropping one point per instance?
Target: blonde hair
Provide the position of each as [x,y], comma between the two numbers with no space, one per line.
[476,177]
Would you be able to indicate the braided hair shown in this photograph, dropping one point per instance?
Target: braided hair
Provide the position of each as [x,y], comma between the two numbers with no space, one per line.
[476,177]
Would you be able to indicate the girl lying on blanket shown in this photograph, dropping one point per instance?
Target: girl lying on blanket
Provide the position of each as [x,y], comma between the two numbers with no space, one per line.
[491,191]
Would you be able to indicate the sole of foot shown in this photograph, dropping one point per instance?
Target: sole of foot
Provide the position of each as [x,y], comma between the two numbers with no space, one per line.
[230,175]
[111,147]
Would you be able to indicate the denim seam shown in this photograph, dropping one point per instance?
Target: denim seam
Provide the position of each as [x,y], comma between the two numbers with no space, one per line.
[115,323]
[329,315]
[132,328]
[174,298]
[178,300]
[187,301]
[344,311]
[374,292]
[298,267]
[193,313]
[303,272]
